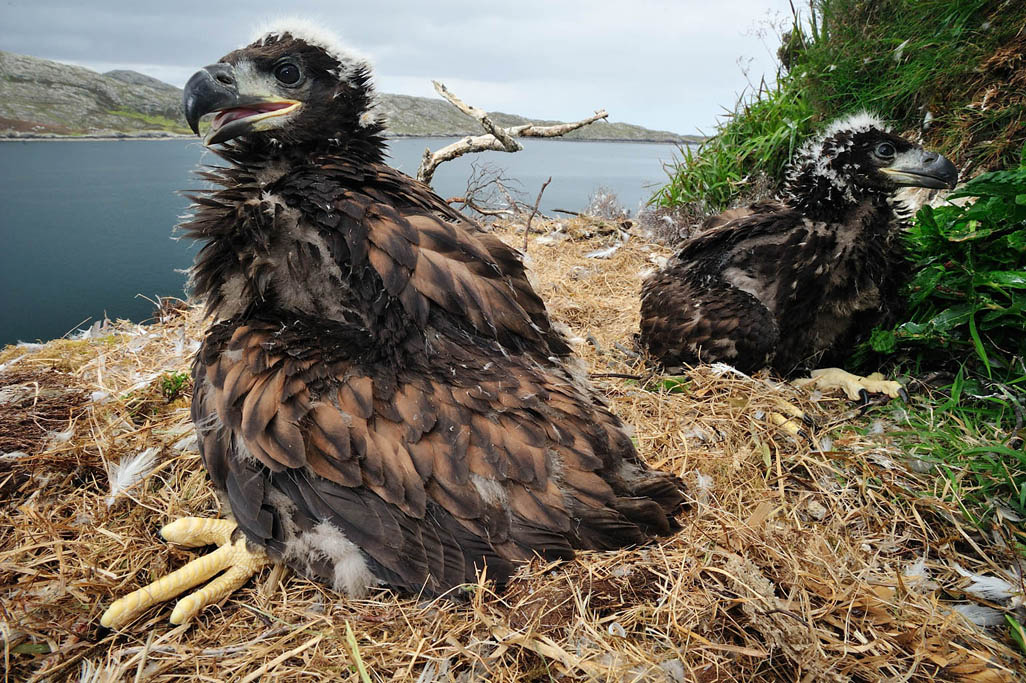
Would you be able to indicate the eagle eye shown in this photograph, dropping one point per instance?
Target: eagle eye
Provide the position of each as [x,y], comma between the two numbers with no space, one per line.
[885,150]
[288,73]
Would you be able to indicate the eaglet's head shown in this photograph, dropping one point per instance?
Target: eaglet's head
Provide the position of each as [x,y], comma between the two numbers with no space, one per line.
[857,156]
[294,86]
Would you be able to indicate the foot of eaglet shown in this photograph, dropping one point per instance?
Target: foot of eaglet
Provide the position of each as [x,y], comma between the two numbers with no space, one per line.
[232,557]
[855,387]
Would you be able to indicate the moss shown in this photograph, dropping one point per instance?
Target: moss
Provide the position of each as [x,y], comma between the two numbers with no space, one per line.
[152,121]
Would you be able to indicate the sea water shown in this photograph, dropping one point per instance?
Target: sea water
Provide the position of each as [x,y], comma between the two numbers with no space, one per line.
[87,227]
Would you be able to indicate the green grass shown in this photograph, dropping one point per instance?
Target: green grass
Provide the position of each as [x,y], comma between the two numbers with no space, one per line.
[898,58]
[153,122]
[968,431]
[759,139]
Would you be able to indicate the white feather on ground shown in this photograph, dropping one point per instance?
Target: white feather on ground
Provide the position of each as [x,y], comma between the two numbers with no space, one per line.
[981,615]
[127,474]
[988,587]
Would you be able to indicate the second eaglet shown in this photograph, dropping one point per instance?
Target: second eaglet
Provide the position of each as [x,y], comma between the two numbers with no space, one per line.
[794,283]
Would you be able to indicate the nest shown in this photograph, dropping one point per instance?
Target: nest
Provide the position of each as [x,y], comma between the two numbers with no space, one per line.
[793,562]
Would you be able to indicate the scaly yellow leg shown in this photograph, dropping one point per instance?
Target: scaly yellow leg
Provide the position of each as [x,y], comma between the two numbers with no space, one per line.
[192,532]
[854,387]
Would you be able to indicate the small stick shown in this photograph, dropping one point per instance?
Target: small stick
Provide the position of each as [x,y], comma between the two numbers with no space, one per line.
[281,658]
[527,228]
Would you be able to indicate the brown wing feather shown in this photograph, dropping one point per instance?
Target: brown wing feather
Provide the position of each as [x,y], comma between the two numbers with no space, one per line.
[419,442]
[426,255]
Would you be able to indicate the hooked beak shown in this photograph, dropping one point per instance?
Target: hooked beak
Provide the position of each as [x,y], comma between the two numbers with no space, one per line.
[919,168]
[214,90]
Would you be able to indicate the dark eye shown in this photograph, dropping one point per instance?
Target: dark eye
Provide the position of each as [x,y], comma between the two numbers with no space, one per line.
[885,150]
[287,73]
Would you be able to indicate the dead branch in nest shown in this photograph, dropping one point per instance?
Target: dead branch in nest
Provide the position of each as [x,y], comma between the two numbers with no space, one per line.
[490,192]
[534,210]
[496,138]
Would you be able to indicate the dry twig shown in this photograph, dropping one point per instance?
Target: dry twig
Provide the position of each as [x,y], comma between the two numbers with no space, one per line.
[534,210]
[496,138]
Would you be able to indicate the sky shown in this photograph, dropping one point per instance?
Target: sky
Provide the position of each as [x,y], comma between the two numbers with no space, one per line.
[665,65]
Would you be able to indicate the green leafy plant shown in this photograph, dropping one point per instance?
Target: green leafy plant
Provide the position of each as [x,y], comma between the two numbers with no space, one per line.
[967,314]
[1016,632]
[969,291]
[174,384]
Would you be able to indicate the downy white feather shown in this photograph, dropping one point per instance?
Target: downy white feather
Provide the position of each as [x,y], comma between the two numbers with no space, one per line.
[990,588]
[129,472]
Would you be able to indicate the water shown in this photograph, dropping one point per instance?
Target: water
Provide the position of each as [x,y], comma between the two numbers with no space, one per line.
[86,227]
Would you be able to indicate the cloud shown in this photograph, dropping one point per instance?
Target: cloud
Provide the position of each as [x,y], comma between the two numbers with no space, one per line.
[669,65]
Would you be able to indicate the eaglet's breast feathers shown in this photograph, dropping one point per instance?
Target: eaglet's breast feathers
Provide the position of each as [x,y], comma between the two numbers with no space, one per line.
[383,398]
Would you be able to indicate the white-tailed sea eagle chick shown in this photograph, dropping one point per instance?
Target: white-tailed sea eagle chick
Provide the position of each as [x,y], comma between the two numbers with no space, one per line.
[381,398]
[794,283]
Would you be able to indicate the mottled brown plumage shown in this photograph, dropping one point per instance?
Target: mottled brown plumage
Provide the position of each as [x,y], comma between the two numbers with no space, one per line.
[382,396]
[795,282]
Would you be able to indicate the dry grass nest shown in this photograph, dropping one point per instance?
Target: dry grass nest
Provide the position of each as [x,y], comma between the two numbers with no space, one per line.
[792,564]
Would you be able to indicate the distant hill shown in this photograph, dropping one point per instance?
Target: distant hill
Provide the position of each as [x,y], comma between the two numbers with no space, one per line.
[42,98]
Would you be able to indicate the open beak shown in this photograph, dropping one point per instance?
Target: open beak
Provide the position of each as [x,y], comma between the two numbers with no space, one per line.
[919,168]
[214,90]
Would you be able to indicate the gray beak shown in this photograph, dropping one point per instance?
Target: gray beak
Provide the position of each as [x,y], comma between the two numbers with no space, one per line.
[214,89]
[920,168]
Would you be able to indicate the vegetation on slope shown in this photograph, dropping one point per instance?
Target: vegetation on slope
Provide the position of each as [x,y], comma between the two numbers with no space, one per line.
[955,70]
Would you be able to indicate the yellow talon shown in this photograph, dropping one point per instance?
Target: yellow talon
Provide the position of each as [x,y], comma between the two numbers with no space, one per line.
[852,385]
[788,425]
[240,563]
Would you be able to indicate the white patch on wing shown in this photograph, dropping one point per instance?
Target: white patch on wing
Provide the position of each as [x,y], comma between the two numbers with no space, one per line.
[323,291]
[326,541]
[233,293]
[491,491]
[270,173]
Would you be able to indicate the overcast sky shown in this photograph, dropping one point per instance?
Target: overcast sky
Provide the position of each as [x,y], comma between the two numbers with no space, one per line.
[666,65]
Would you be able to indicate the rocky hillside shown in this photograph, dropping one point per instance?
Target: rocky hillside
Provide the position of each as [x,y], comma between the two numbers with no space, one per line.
[409,116]
[39,97]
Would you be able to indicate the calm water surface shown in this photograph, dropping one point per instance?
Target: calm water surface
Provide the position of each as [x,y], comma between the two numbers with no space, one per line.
[86,227]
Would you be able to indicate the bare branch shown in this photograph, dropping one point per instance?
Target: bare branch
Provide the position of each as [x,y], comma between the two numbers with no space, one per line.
[501,134]
[487,193]
[478,143]
[496,139]
[534,210]
[529,130]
